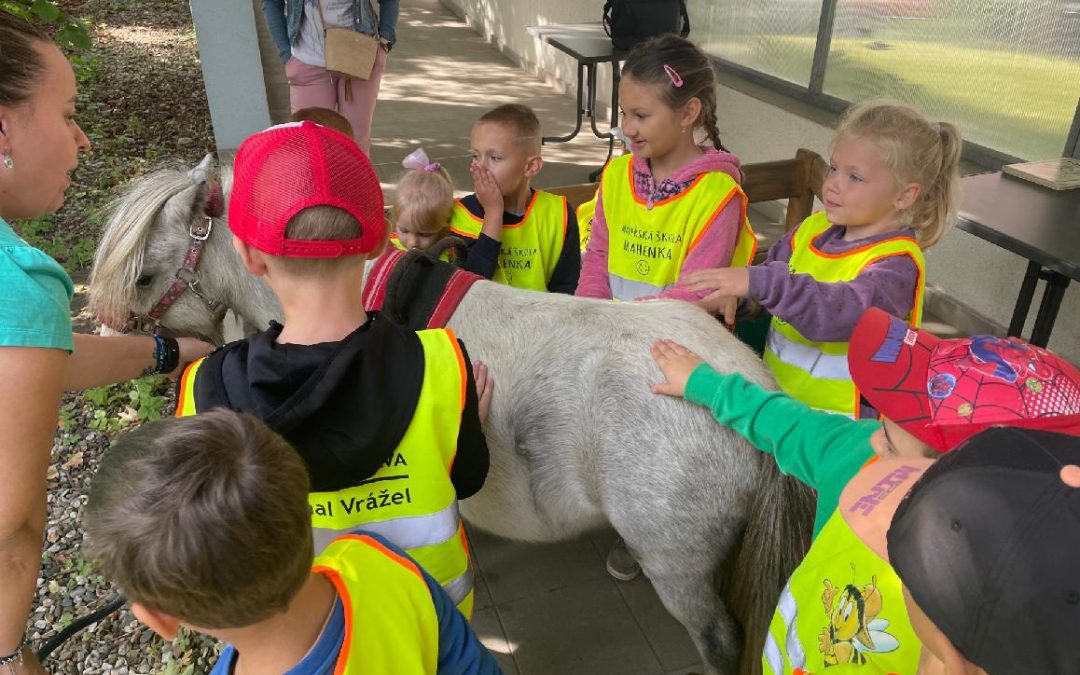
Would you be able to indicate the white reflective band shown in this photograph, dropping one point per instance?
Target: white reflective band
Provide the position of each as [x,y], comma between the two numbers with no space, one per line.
[408,532]
[809,359]
[458,589]
[774,661]
[627,290]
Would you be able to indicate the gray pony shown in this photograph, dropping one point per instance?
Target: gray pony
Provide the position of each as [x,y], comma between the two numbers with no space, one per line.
[577,440]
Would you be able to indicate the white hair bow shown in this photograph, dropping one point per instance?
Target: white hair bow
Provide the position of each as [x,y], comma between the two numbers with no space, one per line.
[418,159]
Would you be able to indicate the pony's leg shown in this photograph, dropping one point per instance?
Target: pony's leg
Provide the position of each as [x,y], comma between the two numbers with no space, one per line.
[685,580]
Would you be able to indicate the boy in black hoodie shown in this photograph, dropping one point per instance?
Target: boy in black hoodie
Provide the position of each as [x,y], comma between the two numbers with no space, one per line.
[387,420]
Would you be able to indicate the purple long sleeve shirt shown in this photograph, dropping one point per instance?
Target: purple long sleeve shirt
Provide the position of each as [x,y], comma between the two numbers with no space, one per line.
[714,249]
[828,312]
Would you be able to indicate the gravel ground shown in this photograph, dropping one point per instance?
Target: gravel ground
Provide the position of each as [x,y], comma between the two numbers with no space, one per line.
[143,105]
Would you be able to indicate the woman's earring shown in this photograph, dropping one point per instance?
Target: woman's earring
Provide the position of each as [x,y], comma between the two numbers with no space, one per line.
[8,162]
[682,129]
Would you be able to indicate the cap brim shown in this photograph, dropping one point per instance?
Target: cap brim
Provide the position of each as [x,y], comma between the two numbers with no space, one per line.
[888,361]
[871,498]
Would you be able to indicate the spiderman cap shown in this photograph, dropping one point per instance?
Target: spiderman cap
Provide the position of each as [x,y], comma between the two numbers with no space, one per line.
[945,391]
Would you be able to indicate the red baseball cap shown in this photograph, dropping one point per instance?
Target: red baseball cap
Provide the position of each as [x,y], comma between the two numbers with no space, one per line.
[945,391]
[285,169]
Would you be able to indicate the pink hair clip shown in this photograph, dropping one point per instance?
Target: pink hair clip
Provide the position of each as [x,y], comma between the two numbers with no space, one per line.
[674,75]
[418,159]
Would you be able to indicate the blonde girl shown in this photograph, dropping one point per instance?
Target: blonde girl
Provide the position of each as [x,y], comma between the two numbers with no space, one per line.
[423,203]
[890,194]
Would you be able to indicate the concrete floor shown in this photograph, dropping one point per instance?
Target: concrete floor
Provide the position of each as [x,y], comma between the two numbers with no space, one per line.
[541,609]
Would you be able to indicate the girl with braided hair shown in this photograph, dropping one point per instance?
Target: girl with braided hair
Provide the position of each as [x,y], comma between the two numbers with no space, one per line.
[672,206]
[889,195]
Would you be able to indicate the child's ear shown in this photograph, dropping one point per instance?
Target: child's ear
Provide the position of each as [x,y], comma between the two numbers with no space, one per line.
[691,113]
[908,194]
[252,258]
[533,166]
[165,625]
[383,241]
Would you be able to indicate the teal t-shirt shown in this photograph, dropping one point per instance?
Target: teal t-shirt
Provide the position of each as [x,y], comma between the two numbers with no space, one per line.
[35,308]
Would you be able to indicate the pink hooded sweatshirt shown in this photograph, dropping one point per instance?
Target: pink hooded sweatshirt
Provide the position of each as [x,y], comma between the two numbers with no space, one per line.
[714,249]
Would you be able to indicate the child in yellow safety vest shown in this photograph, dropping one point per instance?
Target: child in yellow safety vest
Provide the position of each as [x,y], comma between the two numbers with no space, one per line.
[387,420]
[889,195]
[423,205]
[517,235]
[204,523]
[842,605]
[672,206]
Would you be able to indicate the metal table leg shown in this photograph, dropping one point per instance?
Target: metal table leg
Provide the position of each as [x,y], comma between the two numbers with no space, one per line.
[1023,301]
[615,76]
[1048,308]
[580,110]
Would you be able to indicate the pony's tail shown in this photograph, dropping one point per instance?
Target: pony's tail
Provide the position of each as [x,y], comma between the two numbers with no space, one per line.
[774,543]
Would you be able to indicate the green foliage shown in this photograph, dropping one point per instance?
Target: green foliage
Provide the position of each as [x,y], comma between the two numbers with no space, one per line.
[68,31]
[121,405]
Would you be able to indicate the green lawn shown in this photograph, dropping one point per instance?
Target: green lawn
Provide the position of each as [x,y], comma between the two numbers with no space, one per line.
[1018,103]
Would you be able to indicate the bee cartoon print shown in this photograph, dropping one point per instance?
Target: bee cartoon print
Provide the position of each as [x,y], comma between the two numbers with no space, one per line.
[854,632]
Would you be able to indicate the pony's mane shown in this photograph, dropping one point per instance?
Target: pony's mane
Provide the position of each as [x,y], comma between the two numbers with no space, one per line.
[119,258]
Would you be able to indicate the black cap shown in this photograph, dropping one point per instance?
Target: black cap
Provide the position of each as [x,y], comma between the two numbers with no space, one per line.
[988,544]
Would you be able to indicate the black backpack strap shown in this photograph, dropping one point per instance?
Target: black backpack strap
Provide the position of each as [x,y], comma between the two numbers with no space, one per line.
[685,19]
[607,17]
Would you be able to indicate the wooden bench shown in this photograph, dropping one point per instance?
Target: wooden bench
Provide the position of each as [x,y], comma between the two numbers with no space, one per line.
[797,180]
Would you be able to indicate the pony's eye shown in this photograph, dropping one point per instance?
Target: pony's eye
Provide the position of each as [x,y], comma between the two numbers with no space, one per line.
[144,280]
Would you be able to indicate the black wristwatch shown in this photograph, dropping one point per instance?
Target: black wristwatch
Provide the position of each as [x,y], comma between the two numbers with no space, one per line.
[386,44]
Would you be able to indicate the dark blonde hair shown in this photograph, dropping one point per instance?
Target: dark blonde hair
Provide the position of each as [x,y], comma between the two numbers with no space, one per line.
[915,150]
[21,63]
[425,196]
[646,62]
[519,118]
[324,117]
[320,223]
[204,518]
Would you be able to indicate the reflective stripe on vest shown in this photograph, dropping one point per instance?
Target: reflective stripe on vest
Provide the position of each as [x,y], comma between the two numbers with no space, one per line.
[391,626]
[531,249]
[648,243]
[841,607]
[816,373]
[410,500]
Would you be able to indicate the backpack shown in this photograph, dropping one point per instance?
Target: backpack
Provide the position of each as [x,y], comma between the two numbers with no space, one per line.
[628,22]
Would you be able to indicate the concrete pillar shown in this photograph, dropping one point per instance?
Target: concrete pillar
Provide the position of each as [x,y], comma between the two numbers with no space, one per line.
[232,69]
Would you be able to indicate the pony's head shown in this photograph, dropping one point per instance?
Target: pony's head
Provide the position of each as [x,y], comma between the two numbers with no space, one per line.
[143,248]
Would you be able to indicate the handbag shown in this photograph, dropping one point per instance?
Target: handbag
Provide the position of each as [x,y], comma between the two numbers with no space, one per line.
[629,22]
[348,53]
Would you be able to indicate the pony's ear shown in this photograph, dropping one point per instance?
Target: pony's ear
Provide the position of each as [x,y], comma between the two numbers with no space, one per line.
[203,172]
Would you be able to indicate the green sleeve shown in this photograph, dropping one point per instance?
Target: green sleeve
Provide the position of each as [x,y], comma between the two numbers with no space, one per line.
[820,449]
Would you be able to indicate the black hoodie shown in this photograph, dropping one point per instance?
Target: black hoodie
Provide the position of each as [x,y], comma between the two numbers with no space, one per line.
[344,405]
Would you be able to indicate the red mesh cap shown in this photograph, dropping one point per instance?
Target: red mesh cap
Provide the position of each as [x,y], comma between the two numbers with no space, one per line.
[944,391]
[288,168]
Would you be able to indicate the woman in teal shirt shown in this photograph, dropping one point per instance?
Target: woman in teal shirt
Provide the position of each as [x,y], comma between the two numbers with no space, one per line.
[40,144]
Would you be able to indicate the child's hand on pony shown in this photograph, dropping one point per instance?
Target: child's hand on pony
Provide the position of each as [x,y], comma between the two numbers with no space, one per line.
[485,385]
[725,286]
[676,363]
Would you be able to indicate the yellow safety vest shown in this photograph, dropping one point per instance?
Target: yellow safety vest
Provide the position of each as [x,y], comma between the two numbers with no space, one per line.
[531,249]
[585,214]
[410,500]
[396,243]
[816,373]
[391,627]
[841,612]
[647,244]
